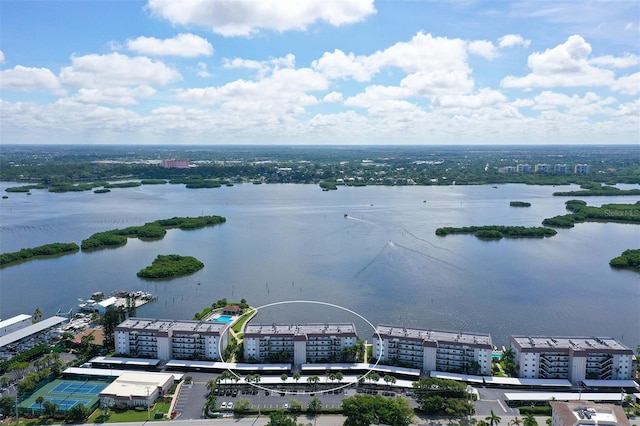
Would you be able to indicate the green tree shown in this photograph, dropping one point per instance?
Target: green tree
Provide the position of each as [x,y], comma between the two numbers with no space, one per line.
[295,406]
[39,401]
[529,420]
[493,419]
[50,408]
[242,404]
[359,410]
[516,421]
[7,405]
[284,377]
[315,406]
[296,377]
[77,414]
[37,314]
[279,418]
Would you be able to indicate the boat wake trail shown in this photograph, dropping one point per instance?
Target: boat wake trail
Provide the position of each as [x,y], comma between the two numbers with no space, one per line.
[365,267]
[360,220]
[411,234]
[435,259]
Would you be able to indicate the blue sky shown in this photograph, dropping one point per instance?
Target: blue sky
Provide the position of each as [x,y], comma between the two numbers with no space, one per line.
[320,72]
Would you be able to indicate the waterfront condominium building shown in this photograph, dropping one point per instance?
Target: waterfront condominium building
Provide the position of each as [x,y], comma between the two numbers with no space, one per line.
[167,339]
[299,343]
[572,358]
[432,350]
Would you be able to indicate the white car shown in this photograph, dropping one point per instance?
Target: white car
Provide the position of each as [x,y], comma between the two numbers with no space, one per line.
[223,405]
[230,405]
[285,405]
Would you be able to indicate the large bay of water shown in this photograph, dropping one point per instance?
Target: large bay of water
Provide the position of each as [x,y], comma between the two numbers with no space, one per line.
[383,261]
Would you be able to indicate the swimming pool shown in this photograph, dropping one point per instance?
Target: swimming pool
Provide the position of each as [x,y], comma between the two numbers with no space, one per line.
[223,318]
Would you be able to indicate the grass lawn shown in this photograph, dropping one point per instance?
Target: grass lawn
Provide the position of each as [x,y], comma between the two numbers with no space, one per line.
[129,415]
[237,327]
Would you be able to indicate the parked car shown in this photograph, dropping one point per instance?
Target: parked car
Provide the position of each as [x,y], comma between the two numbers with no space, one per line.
[223,405]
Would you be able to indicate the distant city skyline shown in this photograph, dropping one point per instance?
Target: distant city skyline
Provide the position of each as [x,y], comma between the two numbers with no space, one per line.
[317,72]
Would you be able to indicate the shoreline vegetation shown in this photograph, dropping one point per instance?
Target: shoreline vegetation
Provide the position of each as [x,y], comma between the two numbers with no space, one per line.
[496,232]
[114,238]
[44,251]
[149,231]
[629,259]
[581,212]
[171,266]
[595,189]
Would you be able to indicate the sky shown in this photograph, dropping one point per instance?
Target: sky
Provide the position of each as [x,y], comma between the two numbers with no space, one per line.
[320,72]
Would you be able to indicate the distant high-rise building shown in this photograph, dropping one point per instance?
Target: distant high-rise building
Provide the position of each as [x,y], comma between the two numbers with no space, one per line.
[523,168]
[175,164]
[562,168]
[542,168]
[581,169]
[507,169]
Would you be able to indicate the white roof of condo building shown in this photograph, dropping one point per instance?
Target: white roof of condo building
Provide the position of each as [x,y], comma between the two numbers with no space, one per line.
[31,330]
[569,344]
[434,337]
[309,329]
[164,326]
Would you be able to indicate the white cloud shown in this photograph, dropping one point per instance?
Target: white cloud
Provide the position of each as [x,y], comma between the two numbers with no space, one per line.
[332,97]
[263,67]
[483,48]
[27,78]
[202,70]
[423,53]
[483,98]
[511,40]
[282,94]
[376,94]
[587,105]
[113,95]
[625,61]
[565,65]
[339,65]
[247,17]
[1,57]
[116,69]
[437,82]
[184,45]
[629,85]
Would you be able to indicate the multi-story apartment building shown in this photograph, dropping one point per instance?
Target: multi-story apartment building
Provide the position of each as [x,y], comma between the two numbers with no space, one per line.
[582,169]
[167,339]
[523,168]
[562,168]
[299,343]
[431,350]
[175,164]
[542,168]
[572,358]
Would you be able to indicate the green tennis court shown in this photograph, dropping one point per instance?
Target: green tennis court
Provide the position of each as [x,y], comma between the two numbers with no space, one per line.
[65,394]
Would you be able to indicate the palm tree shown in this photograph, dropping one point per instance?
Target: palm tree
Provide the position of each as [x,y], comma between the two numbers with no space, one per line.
[529,420]
[296,377]
[39,401]
[493,419]
[516,421]
[284,378]
[211,385]
[37,314]
[339,376]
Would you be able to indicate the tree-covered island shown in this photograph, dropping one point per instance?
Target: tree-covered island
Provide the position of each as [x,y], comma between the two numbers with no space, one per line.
[519,204]
[47,250]
[593,189]
[628,259]
[581,212]
[496,232]
[150,230]
[171,266]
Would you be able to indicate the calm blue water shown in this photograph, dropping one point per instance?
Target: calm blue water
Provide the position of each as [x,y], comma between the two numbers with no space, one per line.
[293,242]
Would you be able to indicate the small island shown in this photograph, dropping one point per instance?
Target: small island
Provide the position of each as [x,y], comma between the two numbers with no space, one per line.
[581,212]
[593,189]
[47,250]
[628,259]
[495,232]
[148,231]
[519,204]
[171,266]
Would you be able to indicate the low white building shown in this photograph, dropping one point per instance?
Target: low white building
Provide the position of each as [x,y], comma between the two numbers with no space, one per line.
[14,324]
[587,413]
[136,389]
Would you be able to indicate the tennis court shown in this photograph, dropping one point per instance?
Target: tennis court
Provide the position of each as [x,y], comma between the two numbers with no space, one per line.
[65,394]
